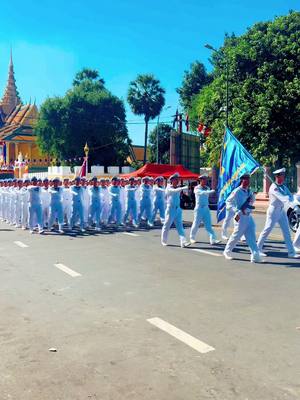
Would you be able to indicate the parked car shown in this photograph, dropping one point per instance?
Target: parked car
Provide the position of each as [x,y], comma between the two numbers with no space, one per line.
[293,213]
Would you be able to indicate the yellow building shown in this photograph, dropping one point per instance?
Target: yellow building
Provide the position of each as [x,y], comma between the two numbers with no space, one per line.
[17,121]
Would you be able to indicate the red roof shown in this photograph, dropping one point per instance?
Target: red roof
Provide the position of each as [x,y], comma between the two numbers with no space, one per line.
[165,170]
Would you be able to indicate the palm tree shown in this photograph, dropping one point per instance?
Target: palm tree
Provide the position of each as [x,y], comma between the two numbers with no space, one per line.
[87,74]
[146,97]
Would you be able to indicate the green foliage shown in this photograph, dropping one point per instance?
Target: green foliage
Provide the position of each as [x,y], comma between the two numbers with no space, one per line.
[88,75]
[136,165]
[164,131]
[193,81]
[264,92]
[146,97]
[87,113]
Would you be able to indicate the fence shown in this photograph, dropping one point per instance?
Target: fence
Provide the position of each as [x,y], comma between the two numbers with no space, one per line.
[69,172]
[257,179]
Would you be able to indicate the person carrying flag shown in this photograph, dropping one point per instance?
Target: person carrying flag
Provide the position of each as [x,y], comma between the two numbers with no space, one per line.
[235,162]
[241,200]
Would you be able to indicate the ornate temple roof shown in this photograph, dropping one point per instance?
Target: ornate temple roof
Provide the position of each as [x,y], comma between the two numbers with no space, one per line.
[11,97]
[19,124]
[16,120]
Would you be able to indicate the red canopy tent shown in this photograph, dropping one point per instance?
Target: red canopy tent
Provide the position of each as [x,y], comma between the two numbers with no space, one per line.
[165,170]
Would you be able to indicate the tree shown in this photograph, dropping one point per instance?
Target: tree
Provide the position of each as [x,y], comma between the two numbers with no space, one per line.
[88,75]
[264,92]
[146,97]
[193,81]
[164,131]
[87,113]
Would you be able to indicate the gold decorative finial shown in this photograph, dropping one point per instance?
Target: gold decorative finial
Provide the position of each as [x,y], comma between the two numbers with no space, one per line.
[86,149]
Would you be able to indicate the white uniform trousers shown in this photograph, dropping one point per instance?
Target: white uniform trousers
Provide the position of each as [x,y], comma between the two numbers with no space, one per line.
[35,216]
[131,211]
[274,215]
[173,215]
[227,220]
[159,205]
[202,214]
[56,211]
[245,226]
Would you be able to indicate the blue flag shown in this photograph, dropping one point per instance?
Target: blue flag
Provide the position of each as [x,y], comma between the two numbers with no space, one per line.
[235,162]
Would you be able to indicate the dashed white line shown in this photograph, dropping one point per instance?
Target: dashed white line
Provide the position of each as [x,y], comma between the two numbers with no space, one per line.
[210,253]
[20,244]
[67,270]
[130,234]
[184,337]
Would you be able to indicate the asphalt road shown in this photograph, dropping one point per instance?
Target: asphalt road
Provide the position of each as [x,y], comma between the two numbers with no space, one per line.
[239,322]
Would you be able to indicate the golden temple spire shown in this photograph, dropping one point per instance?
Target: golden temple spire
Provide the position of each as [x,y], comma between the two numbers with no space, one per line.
[11,96]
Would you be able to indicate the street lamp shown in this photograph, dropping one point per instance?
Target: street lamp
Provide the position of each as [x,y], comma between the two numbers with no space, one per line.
[210,47]
[157,134]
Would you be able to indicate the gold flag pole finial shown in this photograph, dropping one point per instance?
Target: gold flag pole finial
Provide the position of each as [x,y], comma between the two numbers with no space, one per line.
[86,149]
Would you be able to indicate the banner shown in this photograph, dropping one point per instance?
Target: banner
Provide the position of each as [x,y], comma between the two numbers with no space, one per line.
[235,162]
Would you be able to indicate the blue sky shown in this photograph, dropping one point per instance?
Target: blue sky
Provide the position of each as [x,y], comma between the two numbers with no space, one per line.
[52,40]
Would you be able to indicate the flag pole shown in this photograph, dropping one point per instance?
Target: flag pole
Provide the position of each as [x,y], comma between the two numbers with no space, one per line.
[86,151]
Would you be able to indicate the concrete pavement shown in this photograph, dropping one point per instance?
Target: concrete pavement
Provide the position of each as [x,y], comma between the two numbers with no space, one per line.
[98,321]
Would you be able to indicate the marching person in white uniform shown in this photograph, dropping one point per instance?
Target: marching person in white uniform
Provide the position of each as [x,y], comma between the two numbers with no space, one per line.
[115,203]
[24,204]
[131,203]
[18,205]
[35,206]
[202,211]
[95,203]
[145,201]
[174,212]
[279,194]
[85,200]
[56,205]
[67,202]
[159,199]
[45,198]
[104,197]
[241,200]
[77,204]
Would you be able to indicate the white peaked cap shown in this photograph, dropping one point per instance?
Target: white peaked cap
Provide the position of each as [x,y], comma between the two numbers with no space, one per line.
[279,171]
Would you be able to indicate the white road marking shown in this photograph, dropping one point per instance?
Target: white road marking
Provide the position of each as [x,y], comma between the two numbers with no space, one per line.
[67,270]
[130,234]
[210,253]
[21,244]
[184,337]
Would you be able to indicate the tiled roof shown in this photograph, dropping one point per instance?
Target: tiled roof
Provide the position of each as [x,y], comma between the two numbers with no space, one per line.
[20,121]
